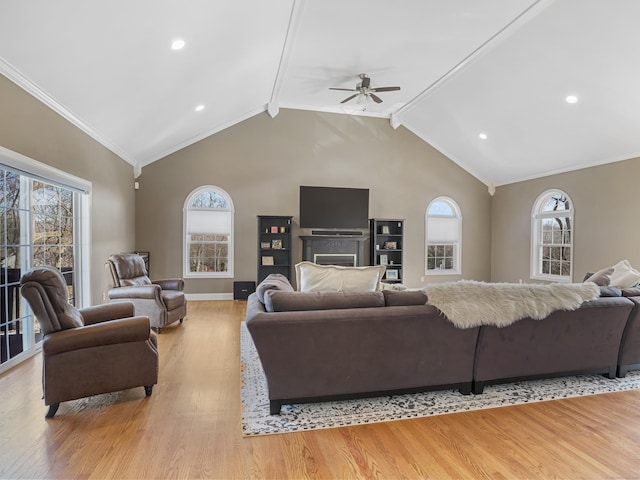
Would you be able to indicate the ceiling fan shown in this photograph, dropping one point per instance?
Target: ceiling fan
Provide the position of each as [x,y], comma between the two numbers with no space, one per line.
[363,88]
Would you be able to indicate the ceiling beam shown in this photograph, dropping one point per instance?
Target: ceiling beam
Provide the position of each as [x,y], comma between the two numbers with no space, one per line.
[294,22]
[525,16]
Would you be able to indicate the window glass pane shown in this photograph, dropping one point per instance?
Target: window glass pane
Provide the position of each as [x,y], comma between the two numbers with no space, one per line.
[209,199]
[556,202]
[36,228]
[441,209]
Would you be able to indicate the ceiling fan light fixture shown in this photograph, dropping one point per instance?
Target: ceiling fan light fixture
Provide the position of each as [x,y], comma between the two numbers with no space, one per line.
[363,99]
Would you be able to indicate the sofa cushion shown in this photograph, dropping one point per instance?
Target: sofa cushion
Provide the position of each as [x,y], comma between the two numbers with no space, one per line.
[315,278]
[601,278]
[394,298]
[624,275]
[279,301]
[274,281]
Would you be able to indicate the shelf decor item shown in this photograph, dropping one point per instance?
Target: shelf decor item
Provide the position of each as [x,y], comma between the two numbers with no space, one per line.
[274,229]
[276,244]
[267,260]
[390,245]
[392,274]
[384,260]
[265,245]
[385,230]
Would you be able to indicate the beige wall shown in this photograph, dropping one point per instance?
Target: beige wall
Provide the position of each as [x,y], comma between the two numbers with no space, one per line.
[29,127]
[261,163]
[606,229]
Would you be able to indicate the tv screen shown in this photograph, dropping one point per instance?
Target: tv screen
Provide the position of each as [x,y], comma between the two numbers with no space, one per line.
[328,207]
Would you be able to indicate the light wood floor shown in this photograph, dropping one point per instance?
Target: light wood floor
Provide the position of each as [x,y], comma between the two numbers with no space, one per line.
[191,428]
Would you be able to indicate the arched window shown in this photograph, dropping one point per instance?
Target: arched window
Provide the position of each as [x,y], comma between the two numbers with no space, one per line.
[552,237]
[208,233]
[443,237]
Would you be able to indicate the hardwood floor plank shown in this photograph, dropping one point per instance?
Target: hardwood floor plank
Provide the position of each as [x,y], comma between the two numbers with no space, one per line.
[191,428]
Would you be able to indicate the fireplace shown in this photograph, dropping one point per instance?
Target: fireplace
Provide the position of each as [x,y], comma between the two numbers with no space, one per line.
[341,259]
[334,249]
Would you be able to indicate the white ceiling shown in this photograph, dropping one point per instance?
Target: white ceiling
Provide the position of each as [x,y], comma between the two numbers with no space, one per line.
[465,67]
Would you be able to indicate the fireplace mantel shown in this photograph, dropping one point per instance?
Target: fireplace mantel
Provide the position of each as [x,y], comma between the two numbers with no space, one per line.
[338,245]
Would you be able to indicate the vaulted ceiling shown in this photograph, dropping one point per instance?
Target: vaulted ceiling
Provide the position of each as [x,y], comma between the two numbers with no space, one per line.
[497,69]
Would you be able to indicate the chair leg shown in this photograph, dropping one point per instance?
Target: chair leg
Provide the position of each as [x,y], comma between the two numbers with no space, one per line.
[182,320]
[148,390]
[53,408]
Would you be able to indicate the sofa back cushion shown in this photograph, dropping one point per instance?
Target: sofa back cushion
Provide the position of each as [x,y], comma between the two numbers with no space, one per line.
[316,278]
[280,301]
[394,298]
[274,281]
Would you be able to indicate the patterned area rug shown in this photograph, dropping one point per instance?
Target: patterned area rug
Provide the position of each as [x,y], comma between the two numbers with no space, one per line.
[256,419]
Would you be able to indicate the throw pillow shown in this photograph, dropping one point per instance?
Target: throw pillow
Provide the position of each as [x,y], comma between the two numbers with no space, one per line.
[314,278]
[624,275]
[274,281]
[601,278]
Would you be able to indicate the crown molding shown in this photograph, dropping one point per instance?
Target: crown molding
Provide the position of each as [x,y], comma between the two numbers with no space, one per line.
[33,89]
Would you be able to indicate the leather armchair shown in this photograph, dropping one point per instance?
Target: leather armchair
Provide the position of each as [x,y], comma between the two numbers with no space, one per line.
[88,351]
[163,301]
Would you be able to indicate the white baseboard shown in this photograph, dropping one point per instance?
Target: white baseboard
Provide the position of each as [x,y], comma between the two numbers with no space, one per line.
[196,297]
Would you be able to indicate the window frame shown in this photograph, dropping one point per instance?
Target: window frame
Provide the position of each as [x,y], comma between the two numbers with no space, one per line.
[537,216]
[457,244]
[187,273]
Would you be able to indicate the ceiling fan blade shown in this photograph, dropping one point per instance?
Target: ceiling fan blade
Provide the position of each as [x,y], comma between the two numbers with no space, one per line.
[375,98]
[345,89]
[349,98]
[385,89]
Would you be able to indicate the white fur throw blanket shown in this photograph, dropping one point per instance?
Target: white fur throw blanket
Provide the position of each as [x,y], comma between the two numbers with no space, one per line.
[469,304]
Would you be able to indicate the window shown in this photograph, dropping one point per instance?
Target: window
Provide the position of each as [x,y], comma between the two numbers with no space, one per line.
[42,222]
[552,237]
[208,232]
[443,237]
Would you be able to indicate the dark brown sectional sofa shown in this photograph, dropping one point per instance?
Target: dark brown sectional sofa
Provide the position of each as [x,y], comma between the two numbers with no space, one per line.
[317,346]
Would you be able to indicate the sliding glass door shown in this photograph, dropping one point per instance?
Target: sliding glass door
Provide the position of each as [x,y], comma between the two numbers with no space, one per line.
[40,224]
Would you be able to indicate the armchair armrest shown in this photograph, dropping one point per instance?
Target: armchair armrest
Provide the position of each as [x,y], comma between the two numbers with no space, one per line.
[134,329]
[137,291]
[106,312]
[170,284]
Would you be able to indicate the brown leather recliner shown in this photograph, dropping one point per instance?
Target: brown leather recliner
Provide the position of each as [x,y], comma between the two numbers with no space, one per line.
[90,351]
[163,301]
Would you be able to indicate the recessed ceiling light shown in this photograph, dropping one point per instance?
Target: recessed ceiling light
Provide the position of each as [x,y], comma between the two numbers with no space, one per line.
[178,44]
[483,136]
[199,108]
[571,99]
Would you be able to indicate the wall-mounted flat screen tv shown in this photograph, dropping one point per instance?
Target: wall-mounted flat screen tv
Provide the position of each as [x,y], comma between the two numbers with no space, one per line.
[330,207]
